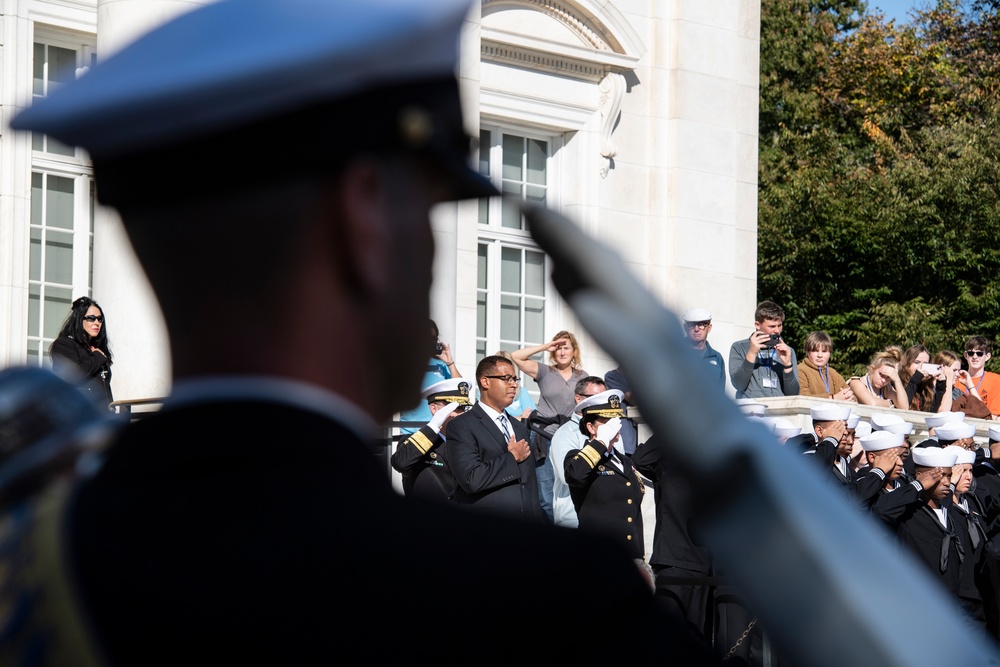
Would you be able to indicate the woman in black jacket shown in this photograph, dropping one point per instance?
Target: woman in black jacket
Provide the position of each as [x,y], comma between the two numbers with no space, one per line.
[81,353]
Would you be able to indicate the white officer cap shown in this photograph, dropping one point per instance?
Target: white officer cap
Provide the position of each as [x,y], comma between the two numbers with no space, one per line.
[879,440]
[952,431]
[994,433]
[890,422]
[605,404]
[751,407]
[454,390]
[938,418]
[697,315]
[782,427]
[932,457]
[244,77]
[829,413]
[962,455]
[852,421]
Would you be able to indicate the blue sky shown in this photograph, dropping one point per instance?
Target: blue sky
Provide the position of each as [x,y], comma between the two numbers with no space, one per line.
[897,9]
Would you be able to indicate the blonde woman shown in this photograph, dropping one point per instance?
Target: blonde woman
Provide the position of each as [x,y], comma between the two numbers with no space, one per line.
[556,399]
[881,385]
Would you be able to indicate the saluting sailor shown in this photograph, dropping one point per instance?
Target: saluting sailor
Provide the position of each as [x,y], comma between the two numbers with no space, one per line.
[606,489]
[420,459]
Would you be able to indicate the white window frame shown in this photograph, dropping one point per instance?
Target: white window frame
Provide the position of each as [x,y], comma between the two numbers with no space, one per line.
[496,237]
[77,168]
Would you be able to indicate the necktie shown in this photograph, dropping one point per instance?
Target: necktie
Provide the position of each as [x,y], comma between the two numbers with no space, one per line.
[504,426]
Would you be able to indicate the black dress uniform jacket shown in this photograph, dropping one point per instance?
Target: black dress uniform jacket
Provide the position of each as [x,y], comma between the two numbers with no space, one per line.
[607,498]
[486,474]
[253,532]
[420,459]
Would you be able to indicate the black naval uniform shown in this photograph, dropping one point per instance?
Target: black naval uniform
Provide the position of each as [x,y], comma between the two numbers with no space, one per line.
[675,551]
[420,459]
[262,531]
[933,543]
[863,486]
[607,494]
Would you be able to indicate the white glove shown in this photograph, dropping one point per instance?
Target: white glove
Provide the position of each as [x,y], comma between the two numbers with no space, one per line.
[437,421]
[607,432]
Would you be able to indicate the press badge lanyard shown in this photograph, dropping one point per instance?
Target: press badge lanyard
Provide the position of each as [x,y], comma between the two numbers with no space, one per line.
[768,362]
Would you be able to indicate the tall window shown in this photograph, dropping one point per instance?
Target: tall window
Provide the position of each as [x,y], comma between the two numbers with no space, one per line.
[512,286]
[61,226]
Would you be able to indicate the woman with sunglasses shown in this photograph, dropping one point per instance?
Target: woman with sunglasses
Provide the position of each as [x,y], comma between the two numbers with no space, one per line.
[81,353]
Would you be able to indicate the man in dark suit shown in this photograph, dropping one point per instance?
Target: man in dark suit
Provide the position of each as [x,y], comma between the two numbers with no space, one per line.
[275,163]
[488,449]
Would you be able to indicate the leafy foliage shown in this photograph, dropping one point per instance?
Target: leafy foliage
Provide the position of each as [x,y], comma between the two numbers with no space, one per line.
[879,170]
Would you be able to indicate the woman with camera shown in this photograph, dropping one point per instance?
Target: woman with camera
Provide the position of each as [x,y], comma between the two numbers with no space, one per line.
[440,366]
[81,353]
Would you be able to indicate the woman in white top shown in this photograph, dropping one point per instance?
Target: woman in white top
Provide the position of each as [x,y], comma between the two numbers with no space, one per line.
[881,385]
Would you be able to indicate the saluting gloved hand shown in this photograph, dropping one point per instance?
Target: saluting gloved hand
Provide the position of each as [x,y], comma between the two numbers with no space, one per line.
[437,421]
[608,432]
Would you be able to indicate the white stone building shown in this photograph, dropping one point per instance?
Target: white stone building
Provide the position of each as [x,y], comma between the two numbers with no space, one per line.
[637,118]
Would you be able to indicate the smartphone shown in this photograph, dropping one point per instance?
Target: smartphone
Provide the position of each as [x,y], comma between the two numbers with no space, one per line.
[439,348]
[930,369]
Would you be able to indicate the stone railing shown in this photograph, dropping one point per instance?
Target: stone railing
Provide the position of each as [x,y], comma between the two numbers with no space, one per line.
[796,409]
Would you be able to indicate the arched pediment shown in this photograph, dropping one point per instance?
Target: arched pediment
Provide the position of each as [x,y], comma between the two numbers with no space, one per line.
[577,38]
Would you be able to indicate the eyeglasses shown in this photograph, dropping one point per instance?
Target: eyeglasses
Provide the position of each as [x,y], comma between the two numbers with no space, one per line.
[697,325]
[976,353]
[509,379]
[94,318]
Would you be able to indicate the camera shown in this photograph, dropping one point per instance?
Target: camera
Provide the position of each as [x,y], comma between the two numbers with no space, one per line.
[438,347]
[772,340]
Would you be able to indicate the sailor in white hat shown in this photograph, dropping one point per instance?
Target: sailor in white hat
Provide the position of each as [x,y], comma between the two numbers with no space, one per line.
[883,451]
[928,529]
[834,449]
[986,472]
[977,587]
[419,458]
[957,433]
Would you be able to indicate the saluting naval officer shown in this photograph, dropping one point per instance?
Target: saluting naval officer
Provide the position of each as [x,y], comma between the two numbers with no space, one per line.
[275,163]
[606,488]
[420,459]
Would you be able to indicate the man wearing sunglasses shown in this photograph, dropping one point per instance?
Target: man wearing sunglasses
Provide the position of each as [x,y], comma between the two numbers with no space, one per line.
[977,353]
[420,458]
[697,326]
[488,449]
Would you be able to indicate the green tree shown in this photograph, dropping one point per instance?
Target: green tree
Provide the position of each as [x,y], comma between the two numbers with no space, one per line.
[878,197]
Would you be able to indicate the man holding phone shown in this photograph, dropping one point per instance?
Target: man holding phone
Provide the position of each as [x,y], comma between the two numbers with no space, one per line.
[764,365]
